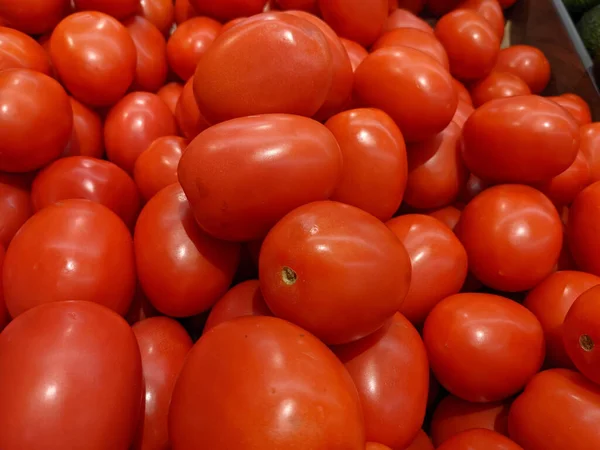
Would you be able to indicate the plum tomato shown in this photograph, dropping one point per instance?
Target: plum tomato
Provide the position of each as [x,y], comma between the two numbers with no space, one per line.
[498,85]
[184,11]
[537,417]
[151,67]
[402,18]
[71,348]
[471,43]
[589,145]
[449,215]
[288,160]
[525,139]
[463,92]
[490,10]
[292,390]
[483,347]
[87,178]
[374,154]
[120,9]
[164,344]
[224,10]
[513,237]
[576,106]
[74,249]
[87,138]
[471,189]
[440,7]
[20,51]
[436,171]
[156,167]
[170,94]
[334,270]
[34,132]
[189,119]
[4,316]
[294,75]
[479,439]
[356,19]
[526,62]
[438,262]
[133,124]
[375,446]
[564,187]
[414,38]
[161,13]
[15,205]
[302,5]
[140,308]
[421,442]
[463,112]
[550,301]
[391,372]
[454,415]
[409,85]
[414,6]
[33,16]
[582,229]
[356,52]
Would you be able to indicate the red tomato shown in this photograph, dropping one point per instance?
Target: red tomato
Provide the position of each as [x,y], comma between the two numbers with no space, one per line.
[463,112]
[356,52]
[182,270]
[471,43]
[438,261]
[140,308]
[454,415]
[441,7]
[355,19]
[414,6]
[184,11]
[563,188]
[133,124]
[582,229]
[479,439]
[233,22]
[35,130]
[87,178]
[74,249]
[189,42]
[244,299]
[302,5]
[94,57]
[15,205]
[421,442]
[156,167]
[471,189]
[402,18]
[526,62]
[448,215]
[374,169]
[4,317]
[294,75]
[288,160]
[164,344]
[513,237]
[120,9]
[224,10]
[550,301]
[412,87]
[161,13]
[483,347]
[87,138]
[341,298]
[590,147]
[537,417]
[71,346]
[151,68]
[189,119]
[374,446]
[391,373]
[490,10]
[170,94]
[414,38]
[524,139]
[498,85]
[19,51]
[33,16]
[576,106]
[463,93]
[292,392]
[436,172]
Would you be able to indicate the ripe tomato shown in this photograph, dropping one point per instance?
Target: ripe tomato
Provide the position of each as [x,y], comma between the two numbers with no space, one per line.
[498,85]
[449,216]
[436,172]
[302,5]
[463,112]
[412,87]
[421,442]
[374,155]
[170,94]
[182,270]
[524,139]
[133,124]
[140,308]
[356,52]
[471,189]
[414,38]
[550,301]
[187,114]
[576,106]
[288,160]
[391,373]
[414,6]
[526,62]
[479,439]
[33,133]
[161,13]
[582,229]
[355,19]
[164,344]
[119,9]
[402,18]
[151,68]
[4,317]
[438,261]
[156,167]
[19,51]
[292,390]
[490,10]
[454,415]
[184,11]
[483,347]
[33,16]
[590,147]
[90,343]
[463,93]
[74,249]
[563,188]
[375,446]
[470,42]
[87,138]
[224,10]
[15,205]
[341,298]
[537,417]
[294,75]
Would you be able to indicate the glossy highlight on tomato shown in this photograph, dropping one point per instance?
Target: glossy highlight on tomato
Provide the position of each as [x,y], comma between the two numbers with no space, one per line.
[20,51]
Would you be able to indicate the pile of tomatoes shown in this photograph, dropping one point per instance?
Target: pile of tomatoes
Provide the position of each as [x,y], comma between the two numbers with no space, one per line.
[300,225]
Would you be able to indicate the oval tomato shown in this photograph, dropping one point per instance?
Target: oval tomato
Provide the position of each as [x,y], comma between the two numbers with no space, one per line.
[449,216]
[184,11]
[355,19]
[375,446]
[4,317]
[463,112]
[356,52]
[120,9]
[15,205]
[402,18]
[526,62]
[498,85]
[227,9]
[463,92]
[170,94]
[151,67]
[479,440]
[189,119]
[19,51]
[33,16]
[490,10]
[576,106]
[302,5]
[590,148]
[564,187]
[87,138]
[414,38]
[582,229]
[161,13]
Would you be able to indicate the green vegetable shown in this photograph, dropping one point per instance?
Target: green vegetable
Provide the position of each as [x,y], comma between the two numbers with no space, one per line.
[589,29]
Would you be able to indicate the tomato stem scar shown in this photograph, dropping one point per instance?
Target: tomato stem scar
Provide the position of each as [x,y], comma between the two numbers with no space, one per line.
[586,343]
[288,275]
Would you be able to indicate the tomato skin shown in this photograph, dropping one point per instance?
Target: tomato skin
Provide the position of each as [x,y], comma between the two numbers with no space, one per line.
[576,106]
[590,147]
[356,52]
[463,112]
[170,94]
[355,19]
[525,139]
[537,417]
[302,283]
[491,11]
[302,5]
[151,67]
[438,262]
[421,442]
[184,11]
[393,80]
[375,446]
[20,51]
[455,332]
[188,116]
[370,135]
[161,13]
[414,38]
[582,229]
[463,92]
[479,439]
[471,43]
[563,188]
[164,344]
[15,205]
[402,18]
[391,373]
[498,85]
[454,415]
[4,317]
[282,363]
[526,62]
[449,216]
[33,16]
[133,124]
[225,10]
[120,9]
[140,308]
[87,138]
[289,160]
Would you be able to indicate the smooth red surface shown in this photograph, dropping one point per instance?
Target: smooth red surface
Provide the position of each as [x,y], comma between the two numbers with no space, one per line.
[449,215]
[87,138]
[498,85]
[119,9]
[576,106]
[15,205]
[479,440]
[421,442]
[187,114]
[160,12]
[355,19]
[151,67]
[4,317]
[490,10]
[582,227]
[402,18]
[356,52]
[564,187]
[590,148]
[170,94]
[33,16]
[424,41]
[526,62]
[20,51]
[224,10]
